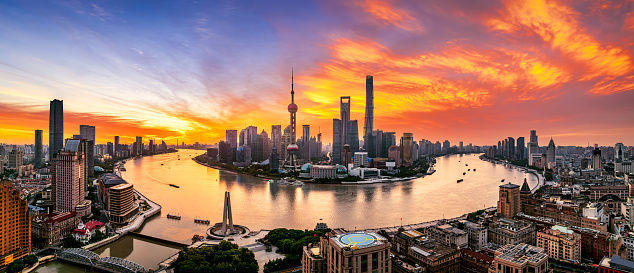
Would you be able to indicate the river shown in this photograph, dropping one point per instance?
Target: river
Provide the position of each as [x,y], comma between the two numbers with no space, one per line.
[258,204]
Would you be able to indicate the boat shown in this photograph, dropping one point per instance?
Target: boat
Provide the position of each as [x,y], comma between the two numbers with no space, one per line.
[474,170]
[469,170]
[201,221]
[466,164]
[502,180]
[172,216]
[460,180]
[464,173]
[174,185]
[161,164]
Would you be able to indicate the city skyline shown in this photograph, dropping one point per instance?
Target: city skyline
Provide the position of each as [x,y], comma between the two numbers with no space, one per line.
[440,72]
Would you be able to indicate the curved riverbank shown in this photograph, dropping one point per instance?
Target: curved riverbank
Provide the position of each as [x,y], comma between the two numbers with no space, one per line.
[541,180]
[353,181]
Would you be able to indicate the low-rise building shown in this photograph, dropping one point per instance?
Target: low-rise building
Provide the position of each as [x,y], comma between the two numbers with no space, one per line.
[312,260]
[402,241]
[598,244]
[615,264]
[435,257]
[477,234]
[520,258]
[474,262]
[323,171]
[51,228]
[560,243]
[84,232]
[448,235]
[628,242]
[506,231]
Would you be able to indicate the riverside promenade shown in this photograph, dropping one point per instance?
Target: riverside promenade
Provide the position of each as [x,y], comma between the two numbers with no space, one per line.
[394,229]
[140,218]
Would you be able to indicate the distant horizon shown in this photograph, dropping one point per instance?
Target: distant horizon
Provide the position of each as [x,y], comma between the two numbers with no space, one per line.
[455,70]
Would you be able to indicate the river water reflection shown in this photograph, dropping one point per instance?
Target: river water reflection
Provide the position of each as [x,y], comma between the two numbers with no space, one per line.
[258,204]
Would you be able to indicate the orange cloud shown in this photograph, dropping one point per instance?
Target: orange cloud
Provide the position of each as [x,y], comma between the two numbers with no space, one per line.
[558,25]
[388,14]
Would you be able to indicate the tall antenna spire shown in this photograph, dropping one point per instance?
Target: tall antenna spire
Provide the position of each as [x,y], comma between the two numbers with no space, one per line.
[292,83]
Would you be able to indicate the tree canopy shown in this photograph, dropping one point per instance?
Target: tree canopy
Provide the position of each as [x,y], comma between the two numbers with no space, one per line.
[225,257]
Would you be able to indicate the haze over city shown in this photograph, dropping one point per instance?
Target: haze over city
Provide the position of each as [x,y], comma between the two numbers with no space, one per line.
[456,70]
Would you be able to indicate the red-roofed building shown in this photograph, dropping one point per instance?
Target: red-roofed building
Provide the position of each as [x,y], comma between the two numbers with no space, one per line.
[474,262]
[51,228]
[84,232]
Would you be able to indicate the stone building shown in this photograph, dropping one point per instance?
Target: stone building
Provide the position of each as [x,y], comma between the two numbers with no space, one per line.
[507,231]
[560,243]
[51,228]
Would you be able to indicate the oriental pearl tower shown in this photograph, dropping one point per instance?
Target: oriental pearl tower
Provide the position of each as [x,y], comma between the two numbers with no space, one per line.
[291,149]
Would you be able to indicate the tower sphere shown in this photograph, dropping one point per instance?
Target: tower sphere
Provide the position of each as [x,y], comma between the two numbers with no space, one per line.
[292,148]
[292,108]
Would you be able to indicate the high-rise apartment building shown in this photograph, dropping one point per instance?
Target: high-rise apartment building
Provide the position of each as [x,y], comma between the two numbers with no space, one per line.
[69,175]
[16,159]
[407,142]
[110,149]
[353,136]
[509,202]
[276,136]
[344,110]
[305,133]
[55,128]
[368,127]
[232,138]
[376,142]
[116,144]
[88,132]
[510,148]
[551,153]
[619,151]
[15,229]
[337,143]
[138,146]
[596,159]
[389,139]
[38,149]
[520,148]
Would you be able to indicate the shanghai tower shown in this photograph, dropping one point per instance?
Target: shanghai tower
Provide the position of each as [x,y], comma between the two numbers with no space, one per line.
[369,114]
[56,128]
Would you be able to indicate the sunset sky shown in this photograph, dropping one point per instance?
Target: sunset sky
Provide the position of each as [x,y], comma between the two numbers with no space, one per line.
[470,70]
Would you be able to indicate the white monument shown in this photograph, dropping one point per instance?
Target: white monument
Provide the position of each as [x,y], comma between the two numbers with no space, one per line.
[227,214]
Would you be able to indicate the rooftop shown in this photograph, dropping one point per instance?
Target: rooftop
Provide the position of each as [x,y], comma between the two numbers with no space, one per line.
[476,255]
[432,250]
[111,179]
[509,186]
[358,240]
[615,262]
[521,253]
